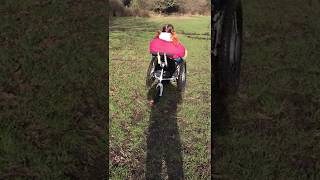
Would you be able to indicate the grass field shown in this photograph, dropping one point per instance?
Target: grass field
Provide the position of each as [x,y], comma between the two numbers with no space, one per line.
[272,127]
[53,89]
[174,137]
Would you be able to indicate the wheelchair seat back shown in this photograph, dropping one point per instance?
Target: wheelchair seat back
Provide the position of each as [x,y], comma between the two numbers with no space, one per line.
[169,69]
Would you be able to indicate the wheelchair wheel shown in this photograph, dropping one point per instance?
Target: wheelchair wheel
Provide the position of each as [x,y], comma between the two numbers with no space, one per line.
[182,77]
[230,50]
[158,91]
[150,78]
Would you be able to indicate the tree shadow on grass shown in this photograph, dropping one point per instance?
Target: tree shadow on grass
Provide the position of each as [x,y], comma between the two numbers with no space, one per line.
[163,140]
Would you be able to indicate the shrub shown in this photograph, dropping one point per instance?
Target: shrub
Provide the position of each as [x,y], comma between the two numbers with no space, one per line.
[195,7]
[142,7]
[117,8]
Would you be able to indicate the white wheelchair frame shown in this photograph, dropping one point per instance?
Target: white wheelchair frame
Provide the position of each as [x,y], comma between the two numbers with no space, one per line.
[161,78]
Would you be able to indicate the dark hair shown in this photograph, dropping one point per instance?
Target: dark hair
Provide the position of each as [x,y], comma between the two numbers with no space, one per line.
[168,28]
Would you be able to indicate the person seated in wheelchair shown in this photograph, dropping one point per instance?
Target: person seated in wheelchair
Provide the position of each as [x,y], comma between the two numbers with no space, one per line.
[166,41]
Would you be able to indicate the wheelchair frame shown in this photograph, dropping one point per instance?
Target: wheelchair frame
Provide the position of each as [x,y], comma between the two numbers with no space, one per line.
[159,78]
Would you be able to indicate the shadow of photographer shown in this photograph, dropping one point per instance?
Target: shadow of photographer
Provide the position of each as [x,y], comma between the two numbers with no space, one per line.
[163,140]
[221,117]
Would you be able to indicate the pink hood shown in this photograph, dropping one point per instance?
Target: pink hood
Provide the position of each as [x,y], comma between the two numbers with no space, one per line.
[159,45]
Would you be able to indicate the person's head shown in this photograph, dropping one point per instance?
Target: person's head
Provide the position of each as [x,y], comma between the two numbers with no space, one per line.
[168,28]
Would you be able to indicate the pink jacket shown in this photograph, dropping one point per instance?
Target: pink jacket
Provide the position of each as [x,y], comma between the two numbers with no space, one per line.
[159,45]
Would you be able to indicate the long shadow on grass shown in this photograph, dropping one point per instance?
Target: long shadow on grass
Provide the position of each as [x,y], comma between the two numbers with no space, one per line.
[220,126]
[163,141]
[221,115]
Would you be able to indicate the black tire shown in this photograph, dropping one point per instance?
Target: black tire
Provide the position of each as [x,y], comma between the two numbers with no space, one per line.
[150,78]
[182,77]
[158,89]
[229,54]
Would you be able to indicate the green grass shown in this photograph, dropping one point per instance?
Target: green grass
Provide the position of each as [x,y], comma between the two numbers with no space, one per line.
[273,127]
[141,137]
[52,76]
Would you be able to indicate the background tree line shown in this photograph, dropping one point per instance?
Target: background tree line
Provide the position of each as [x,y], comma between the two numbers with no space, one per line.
[145,7]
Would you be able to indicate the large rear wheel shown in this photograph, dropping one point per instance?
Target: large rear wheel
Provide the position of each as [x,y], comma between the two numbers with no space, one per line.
[229,56]
[150,74]
[182,76]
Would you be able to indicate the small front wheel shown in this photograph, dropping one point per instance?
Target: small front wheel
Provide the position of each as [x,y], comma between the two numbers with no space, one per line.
[159,90]
[182,76]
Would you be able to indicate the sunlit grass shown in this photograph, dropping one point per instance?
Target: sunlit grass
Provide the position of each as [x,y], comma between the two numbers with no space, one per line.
[130,114]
